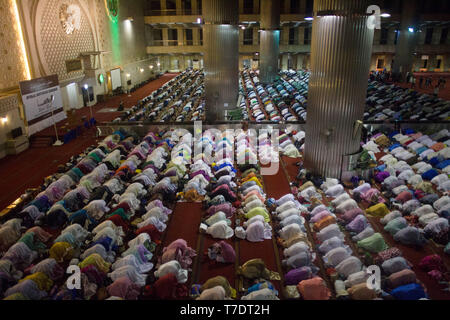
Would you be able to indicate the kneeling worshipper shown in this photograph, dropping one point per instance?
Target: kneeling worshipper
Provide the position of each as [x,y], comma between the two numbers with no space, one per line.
[180,251]
[165,288]
[215,293]
[314,289]
[219,230]
[255,269]
[172,267]
[219,281]
[222,252]
[262,294]
[257,229]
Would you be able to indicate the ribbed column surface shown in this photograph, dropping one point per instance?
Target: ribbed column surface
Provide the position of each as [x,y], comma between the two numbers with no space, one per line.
[221,56]
[344,6]
[221,61]
[269,45]
[270,14]
[269,48]
[221,11]
[407,41]
[340,61]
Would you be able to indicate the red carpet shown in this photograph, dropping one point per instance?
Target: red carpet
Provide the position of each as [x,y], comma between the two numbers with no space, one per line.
[291,167]
[184,223]
[444,93]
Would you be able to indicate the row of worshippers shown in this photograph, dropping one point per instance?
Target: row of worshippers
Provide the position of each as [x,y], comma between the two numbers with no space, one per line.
[108,224]
[180,99]
[391,102]
[347,269]
[300,278]
[272,102]
[417,188]
[399,281]
[255,226]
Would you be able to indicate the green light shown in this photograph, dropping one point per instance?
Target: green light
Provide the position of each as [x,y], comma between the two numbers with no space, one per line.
[115,38]
[101,78]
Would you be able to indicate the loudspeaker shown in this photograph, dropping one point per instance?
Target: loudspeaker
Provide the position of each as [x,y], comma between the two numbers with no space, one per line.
[16,132]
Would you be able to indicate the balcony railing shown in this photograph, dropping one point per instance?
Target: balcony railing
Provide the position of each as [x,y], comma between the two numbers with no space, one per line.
[173,12]
[158,43]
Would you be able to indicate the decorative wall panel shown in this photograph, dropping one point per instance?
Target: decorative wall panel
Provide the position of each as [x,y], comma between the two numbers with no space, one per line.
[8,103]
[11,58]
[54,45]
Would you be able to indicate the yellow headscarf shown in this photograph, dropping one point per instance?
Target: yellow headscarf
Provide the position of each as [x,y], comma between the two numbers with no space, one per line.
[61,251]
[96,260]
[41,279]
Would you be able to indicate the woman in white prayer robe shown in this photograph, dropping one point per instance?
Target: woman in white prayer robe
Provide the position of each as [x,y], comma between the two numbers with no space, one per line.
[220,230]
[259,231]
[172,267]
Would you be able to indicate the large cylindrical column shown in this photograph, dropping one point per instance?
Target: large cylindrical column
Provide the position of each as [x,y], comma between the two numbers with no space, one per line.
[221,57]
[340,61]
[269,46]
[407,40]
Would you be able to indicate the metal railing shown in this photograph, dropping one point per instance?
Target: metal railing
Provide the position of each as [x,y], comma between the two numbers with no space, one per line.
[173,12]
[162,43]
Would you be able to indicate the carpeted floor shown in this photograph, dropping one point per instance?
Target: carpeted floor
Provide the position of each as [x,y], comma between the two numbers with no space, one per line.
[443,93]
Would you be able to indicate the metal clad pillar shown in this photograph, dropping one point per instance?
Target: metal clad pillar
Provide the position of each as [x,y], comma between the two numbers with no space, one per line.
[221,56]
[340,61]
[406,41]
[270,40]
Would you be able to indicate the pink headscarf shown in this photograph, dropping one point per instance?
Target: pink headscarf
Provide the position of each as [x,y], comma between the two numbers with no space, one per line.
[178,250]
[228,253]
[124,288]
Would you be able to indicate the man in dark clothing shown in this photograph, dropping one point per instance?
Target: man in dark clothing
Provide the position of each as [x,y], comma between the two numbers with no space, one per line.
[121,107]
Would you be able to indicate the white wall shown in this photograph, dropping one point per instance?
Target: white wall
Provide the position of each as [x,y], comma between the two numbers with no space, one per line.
[10,110]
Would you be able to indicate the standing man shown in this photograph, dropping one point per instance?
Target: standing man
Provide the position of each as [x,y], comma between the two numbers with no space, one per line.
[436,91]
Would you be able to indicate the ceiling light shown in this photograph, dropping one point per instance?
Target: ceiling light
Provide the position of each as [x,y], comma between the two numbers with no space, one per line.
[411,29]
[385,15]
[309,18]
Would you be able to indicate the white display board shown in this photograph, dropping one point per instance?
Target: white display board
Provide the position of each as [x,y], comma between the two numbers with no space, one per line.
[116,80]
[196,64]
[42,103]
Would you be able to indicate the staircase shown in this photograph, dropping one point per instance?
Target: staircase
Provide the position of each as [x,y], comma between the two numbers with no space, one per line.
[41,141]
